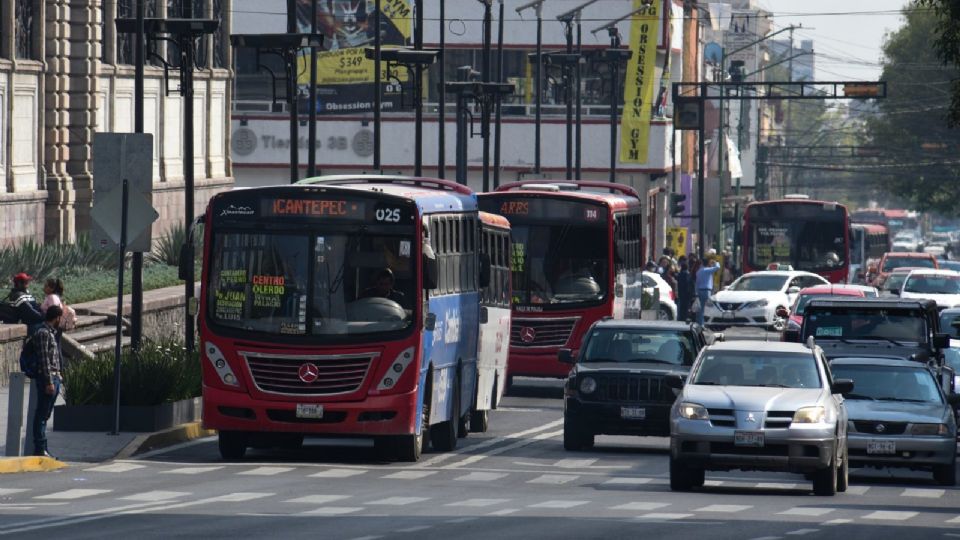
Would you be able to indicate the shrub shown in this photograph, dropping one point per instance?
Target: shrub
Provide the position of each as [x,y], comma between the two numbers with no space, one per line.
[162,372]
[45,260]
[166,250]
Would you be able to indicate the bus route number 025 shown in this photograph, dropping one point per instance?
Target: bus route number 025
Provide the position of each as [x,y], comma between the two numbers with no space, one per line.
[387,215]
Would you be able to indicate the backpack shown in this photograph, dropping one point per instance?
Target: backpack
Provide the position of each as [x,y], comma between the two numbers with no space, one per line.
[30,357]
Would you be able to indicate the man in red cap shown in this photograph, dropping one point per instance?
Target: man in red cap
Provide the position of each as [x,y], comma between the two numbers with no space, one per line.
[20,306]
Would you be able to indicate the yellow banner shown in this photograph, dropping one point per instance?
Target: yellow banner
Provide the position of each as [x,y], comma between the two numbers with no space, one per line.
[638,88]
[677,239]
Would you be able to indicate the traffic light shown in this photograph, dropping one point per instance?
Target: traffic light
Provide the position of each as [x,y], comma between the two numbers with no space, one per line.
[676,204]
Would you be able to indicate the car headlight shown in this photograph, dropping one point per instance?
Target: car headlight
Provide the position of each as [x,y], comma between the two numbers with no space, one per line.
[588,385]
[756,303]
[810,415]
[693,411]
[929,429]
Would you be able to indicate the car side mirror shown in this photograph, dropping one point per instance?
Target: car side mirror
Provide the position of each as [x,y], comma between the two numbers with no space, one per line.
[941,341]
[793,290]
[718,337]
[953,400]
[565,356]
[674,381]
[841,386]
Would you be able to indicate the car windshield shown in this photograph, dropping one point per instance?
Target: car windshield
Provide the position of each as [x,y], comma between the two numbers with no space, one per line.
[892,263]
[894,282]
[950,324]
[900,325]
[637,345]
[889,383]
[739,368]
[759,283]
[950,265]
[927,284]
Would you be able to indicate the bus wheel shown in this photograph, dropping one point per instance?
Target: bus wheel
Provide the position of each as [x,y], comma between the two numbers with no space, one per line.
[232,444]
[479,421]
[443,436]
[408,447]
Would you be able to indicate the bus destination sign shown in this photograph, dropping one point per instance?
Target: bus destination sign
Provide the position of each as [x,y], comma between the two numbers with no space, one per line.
[545,209]
[313,208]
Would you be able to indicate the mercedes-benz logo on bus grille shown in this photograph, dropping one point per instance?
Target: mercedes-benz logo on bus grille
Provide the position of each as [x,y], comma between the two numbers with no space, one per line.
[308,373]
[527,334]
[881,428]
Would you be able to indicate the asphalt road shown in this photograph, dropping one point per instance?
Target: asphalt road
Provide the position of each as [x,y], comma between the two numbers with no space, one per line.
[515,481]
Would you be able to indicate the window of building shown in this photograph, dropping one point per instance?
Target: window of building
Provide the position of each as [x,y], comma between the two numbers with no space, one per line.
[24,28]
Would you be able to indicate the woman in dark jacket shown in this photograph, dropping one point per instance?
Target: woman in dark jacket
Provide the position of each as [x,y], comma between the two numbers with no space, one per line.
[684,292]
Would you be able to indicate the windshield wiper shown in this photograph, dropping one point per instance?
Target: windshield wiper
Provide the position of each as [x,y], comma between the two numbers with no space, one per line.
[706,383]
[771,385]
[654,361]
[902,399]
[598,360]
[880,338]
[859,396]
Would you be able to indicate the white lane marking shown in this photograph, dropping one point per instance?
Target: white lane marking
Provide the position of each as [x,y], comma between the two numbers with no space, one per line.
[317,499]
[504,512]
[626,481]
[837,522]
[641,506]
[17,507]
[775,485]
[71,494]
[488,443]
[558,504]
[925,493]
[890,515]
[241,496]
[592,467]
[806,511]
[954,520]
[460,520]
[371,537]
[554,479]
[116,468]
[767,538]
[500,450]
[665,516]
[574,463]
[802,532]
[332,511]
[410,475]
[191,470]
[478,503]
[713,483]
[726,508]
[398,501]
[155,496]
[415,529]
[857,490]
[82,517]
[265,471]
[338,473]
[480,477]
[174,448]
[11,491]
[519,409]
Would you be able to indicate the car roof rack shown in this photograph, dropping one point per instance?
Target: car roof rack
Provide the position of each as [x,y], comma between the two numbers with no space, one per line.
[421,182]
[571,185]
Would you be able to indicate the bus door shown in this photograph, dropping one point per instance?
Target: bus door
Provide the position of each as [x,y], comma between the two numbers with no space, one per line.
[494,342]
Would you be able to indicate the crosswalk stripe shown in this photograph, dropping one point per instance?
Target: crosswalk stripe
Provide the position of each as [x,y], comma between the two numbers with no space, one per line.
[73,494]
[11,491]
[574,463]
[554,479]
[116,468]
[398,501]
[726,508]
[338,473]
[265,471]
[925,493]
[317,499]
[857,490]
[775,485]
[155,496]
[241,496]
[504,512]
[665,516]
[558,504]
[416,528]
[806,511]
[191,470]
[480,477]
[332,511]
[837,522]
[713,483]
[802,532]
[954,520]
[478,503]
[410,475]
[641,506]
[890,515]
[627,481]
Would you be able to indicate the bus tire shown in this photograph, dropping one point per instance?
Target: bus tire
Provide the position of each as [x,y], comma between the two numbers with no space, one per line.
[443,435]
[479,421]
[232,445]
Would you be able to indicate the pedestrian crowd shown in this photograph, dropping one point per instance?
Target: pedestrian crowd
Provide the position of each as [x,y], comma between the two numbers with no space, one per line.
[692,279]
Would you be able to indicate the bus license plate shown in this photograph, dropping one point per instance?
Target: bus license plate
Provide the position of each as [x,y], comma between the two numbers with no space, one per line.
[748,438]
[309,410]
[633,413]
[881,447]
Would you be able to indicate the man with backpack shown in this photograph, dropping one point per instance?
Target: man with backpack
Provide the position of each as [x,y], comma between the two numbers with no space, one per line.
[47,376]
[20,306]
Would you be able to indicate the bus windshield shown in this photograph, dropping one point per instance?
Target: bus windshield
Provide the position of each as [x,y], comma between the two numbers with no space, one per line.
[809,237]
[325,283]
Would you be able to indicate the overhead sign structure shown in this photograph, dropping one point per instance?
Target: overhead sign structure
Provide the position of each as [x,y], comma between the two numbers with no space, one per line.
[118,157]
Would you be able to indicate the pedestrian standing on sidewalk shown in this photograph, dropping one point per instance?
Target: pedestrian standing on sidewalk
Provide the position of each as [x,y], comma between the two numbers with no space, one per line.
[705,283]
[48,379]
[19,306]
[684,291]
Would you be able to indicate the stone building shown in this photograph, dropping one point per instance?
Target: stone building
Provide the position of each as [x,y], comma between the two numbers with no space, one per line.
[65,73]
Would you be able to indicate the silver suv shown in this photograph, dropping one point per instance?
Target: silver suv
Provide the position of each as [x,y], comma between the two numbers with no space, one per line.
[763,406]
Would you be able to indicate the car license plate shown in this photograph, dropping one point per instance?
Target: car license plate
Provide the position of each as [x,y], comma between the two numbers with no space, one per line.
[729,315]
[633,413]
[309,410]
[748,438]
[881,447]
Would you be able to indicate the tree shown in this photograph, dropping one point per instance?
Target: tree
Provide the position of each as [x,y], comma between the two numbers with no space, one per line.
[947,46]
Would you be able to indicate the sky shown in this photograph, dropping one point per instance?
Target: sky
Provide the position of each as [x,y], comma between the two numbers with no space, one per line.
[847,34]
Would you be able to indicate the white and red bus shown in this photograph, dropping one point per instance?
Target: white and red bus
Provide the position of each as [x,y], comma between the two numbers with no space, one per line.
[575,259]
[868,241]
[806,234]
[350,306]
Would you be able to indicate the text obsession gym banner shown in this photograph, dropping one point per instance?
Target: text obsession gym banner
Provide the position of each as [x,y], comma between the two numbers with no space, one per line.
[344,74]
[638,87]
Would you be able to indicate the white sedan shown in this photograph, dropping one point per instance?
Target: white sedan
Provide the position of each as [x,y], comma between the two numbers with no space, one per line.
[941,286]
[753,299]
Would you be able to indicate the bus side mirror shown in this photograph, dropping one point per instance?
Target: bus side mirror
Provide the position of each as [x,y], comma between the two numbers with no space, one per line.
[941,341]
[484,270]
[841,386]
[186,261]
[431,271]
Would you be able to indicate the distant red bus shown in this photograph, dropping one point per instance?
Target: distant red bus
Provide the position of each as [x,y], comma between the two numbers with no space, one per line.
[806,234]
[575,259]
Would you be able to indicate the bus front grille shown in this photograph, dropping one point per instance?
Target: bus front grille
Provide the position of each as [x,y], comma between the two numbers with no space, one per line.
[308,375]
[541,332]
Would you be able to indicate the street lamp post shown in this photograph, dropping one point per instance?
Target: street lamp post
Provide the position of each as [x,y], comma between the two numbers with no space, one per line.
[537,5]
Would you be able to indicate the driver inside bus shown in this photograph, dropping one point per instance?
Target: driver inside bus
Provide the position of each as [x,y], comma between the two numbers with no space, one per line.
[383,287]
[832,260]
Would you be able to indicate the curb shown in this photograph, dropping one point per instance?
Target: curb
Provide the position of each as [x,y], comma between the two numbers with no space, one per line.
[162,439]
[15,465]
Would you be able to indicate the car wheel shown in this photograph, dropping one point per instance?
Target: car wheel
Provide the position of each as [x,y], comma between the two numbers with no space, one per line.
[684,478]
[575,437]
[232,445]
[843,474]
[825,479]
[946,475]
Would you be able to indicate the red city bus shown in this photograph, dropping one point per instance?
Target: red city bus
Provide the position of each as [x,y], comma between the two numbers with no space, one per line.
[806,234]
[575,259]
[349,306]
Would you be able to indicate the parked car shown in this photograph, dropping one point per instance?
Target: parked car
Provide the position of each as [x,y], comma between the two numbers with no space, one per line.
[766,406]
[795,315]
[901,259]
[899,417]
[754,298]
[941,286]
[616,386]
[668,299]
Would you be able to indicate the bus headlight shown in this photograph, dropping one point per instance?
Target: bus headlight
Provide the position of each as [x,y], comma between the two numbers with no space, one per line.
[396,369]
[220,364]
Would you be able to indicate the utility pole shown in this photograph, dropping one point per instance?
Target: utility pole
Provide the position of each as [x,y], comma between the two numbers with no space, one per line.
[418,89]
[498,122]
[485,77]
[537,5]
[136,262]
[292,102]
[312,128]
[568,97]
[376,87]
[442,90]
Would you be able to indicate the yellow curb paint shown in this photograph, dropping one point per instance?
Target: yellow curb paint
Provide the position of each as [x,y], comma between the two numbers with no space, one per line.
[29,464]
[179,434]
